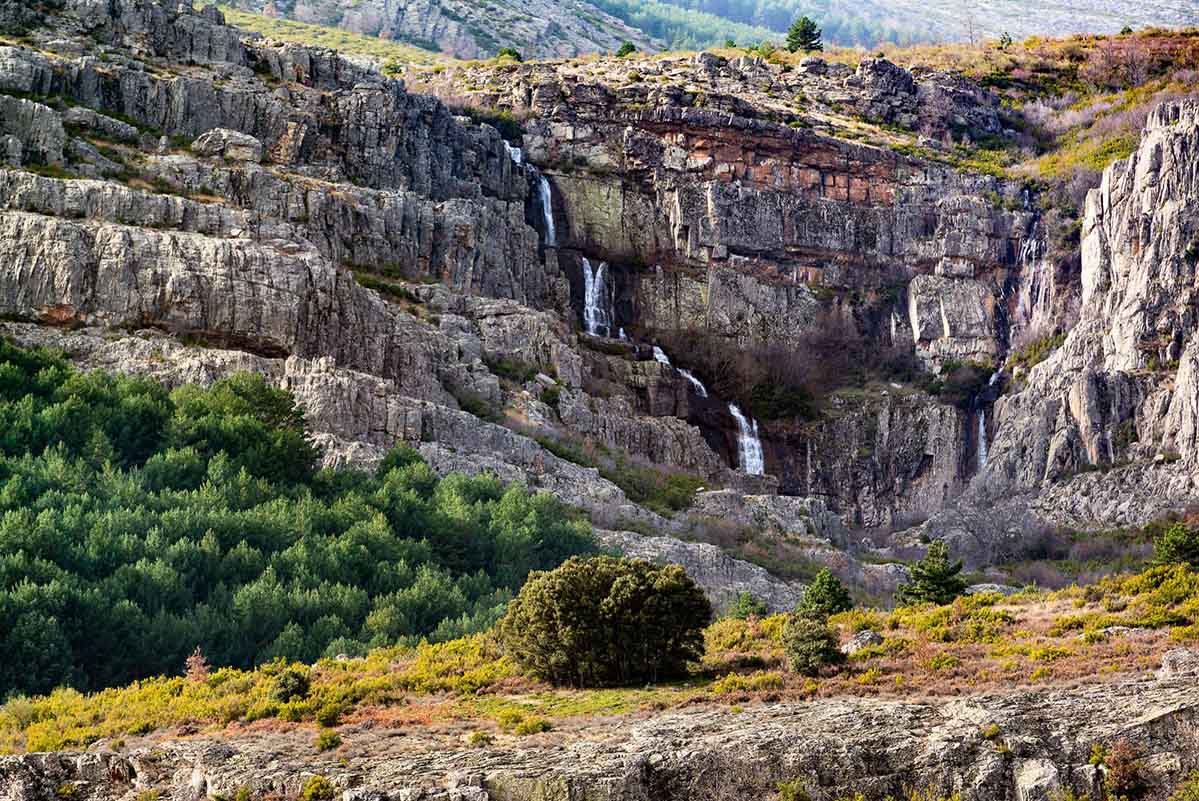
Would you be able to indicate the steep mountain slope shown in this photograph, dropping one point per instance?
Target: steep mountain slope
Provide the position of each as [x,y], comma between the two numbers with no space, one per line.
[630,312]
[763,304]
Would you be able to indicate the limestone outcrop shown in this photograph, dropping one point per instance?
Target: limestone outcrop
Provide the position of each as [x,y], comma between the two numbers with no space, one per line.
[1018,745]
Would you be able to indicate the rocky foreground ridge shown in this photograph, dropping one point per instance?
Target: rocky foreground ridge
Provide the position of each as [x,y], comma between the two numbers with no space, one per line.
[1013,746]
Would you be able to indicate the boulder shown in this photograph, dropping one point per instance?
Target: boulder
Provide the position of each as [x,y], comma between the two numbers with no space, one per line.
[863,639]
[233,145]
[1179,662]
[1036,780]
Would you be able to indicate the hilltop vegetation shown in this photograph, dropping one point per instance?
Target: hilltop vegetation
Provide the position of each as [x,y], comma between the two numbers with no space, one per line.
[137,524]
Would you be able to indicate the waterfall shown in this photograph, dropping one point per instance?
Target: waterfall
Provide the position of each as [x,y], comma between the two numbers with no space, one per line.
[547,211]
[749,444]
[661,358]
[514,153]
[982,439]
[597,320]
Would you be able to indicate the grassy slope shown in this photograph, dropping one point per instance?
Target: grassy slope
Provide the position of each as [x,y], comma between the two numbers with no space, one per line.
[978,643]
[354,44]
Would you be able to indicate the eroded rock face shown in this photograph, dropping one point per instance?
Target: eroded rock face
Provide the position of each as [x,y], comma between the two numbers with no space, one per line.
[721,577]
[830,748]
[1120,393]
[716,218]
[678,165]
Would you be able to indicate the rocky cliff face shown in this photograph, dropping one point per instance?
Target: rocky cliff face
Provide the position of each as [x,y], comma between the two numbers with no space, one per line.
[1101,433]
[1015,746]
[406,272]
[727,201]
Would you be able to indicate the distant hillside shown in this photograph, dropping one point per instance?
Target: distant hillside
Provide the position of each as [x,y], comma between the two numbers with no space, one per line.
[383,51]
[869,23]
[564,28]
[471,28]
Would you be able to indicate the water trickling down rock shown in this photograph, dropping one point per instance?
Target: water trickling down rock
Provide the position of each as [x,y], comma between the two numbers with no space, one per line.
[661,357]
[547,211]
[597,318]
[749,444]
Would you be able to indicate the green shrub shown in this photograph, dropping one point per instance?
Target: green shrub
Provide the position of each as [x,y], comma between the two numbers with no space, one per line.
[824,597]
[291,683]
[510,52]
[318,788]
[551,396]
[327,740]
[329,714]
[1177,544]
[606,621]
[747,605]
[754,682]
[793,790]
[531,725]
[626,48]
[1188,790]
[810,645]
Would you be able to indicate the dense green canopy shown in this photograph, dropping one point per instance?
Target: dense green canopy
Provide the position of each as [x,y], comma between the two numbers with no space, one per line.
[137,523]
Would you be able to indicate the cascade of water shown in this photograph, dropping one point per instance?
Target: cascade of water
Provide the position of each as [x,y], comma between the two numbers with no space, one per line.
[514,153]
[982,438]
[749,444]
[661,358]
[596,319]
[547,211]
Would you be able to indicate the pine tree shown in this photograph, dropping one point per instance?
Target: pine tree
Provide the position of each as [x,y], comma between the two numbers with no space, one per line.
[1177,544]
[934,579]
[804,35]
[825,596]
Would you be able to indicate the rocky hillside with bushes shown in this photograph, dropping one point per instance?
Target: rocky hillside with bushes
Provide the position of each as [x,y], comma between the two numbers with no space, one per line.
[335,371]
[788,310]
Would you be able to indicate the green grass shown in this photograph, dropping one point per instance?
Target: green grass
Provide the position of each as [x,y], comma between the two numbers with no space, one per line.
[385,51]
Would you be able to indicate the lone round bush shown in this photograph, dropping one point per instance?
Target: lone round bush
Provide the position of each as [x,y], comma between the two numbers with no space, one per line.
[606,621]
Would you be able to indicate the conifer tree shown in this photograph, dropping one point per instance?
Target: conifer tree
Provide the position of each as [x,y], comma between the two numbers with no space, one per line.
[825,596]
[804,35]
[934,579]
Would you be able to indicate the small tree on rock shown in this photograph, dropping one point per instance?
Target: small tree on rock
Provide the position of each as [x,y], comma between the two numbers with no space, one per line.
[809,644]
[626,48]
[934,578]
[804,35]
[825,596]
